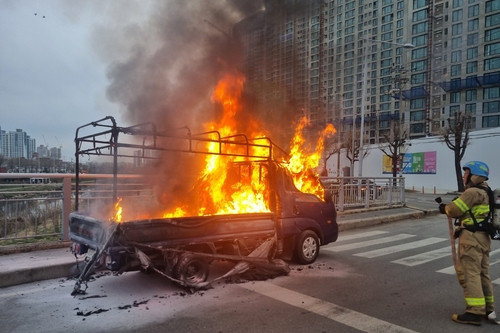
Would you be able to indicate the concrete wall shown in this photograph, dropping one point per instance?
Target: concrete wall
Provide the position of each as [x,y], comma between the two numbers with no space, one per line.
[484,145]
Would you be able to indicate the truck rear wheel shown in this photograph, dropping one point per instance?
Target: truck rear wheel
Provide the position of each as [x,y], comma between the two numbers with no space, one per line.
[307,247]
[191,270]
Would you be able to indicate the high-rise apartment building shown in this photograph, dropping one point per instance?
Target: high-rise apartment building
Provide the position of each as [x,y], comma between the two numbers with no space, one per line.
[414,63]
[16,144]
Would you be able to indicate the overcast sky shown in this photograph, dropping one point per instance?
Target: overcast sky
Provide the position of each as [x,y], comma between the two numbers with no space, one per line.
[62,62]
[51,79]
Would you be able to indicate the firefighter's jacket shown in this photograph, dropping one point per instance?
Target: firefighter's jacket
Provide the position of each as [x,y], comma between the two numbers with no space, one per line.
[473,200]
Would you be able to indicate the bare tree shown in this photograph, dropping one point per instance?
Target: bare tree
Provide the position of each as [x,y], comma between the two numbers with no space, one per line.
[456,137]
[352,147]
[396,142]
[332,147]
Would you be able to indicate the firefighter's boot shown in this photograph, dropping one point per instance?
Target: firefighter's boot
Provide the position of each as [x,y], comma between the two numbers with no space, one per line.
[492,317]
[467,318]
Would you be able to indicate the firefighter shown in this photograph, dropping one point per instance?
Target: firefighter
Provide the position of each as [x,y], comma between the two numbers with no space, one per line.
[474,244]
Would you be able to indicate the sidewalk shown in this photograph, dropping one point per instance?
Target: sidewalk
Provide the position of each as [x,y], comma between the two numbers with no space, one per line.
[40,263]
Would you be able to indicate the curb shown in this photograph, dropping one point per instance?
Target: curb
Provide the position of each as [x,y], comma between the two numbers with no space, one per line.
[28,275]
[360,223]
[11,249]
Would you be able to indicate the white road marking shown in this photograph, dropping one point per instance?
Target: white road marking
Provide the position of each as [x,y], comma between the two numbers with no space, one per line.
[425,257]
[450,270]
[398,248]
[326,309]
[383,240]
[343,237]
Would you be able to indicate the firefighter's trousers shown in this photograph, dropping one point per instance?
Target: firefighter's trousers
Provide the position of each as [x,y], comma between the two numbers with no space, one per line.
[474,254]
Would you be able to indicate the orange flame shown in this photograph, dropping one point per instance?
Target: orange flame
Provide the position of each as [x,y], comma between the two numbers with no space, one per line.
[229,184]
[247,195]
[118,211]
[304,160]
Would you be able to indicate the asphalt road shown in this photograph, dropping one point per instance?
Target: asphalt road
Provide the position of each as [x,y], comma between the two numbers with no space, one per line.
[394,277]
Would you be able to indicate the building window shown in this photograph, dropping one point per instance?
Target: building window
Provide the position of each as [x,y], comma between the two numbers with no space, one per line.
[492,20]
[456,29]
[471,67]
[470,95]
[491,107]
[473,11]
[470,108]
[419,65]
[456,70]
[454,109]
[417,103]
[419,28]
[492,49]
[387,10]
[419,4]
[419,40]
[417,128]
[457,15]
[473,25]
[417,115]
[491,121]
[472,53]
[455,97]
[492,34]
[419,53]
[456,56]
[490,93]
[490,64]
[418,78]
[385,106]
[387,27]
[420,15]
[492,6]
[456,43]
[472,39]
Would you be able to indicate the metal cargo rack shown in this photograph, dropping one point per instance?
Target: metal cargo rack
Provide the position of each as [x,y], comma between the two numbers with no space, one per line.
[146,141]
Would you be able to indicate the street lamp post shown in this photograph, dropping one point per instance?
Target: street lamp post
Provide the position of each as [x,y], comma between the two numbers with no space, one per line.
[363,93]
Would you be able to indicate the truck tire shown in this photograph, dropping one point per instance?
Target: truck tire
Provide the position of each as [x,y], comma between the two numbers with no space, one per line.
[191,269]
[307,247]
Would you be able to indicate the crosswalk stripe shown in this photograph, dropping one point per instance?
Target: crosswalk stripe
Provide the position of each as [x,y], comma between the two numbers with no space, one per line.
[425,257]
[399,248]
[410,261]
[377,241]
[450,270]
[340,314]
[360,235]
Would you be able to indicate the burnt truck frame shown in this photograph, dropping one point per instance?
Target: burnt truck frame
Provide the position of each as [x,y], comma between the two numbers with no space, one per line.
[182,248]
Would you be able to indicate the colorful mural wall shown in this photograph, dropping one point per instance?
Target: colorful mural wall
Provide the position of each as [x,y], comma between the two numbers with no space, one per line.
[413,163]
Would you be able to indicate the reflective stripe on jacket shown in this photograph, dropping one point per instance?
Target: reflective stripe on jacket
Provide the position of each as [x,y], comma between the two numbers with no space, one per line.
[474,199]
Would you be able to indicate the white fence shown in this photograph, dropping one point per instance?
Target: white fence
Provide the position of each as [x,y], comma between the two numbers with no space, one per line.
[366,192]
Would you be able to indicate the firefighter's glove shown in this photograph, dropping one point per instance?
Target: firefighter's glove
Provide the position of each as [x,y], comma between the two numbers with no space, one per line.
[442,208]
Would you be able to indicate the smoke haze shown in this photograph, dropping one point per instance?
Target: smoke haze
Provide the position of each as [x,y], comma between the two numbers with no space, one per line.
[164,61]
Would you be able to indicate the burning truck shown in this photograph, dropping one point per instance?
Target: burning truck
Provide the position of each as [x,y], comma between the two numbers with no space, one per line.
[290,224]
[241,199]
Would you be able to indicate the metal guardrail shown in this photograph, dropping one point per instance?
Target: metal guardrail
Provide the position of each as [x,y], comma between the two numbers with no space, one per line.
[34,205]
[365,192]
[38,205]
